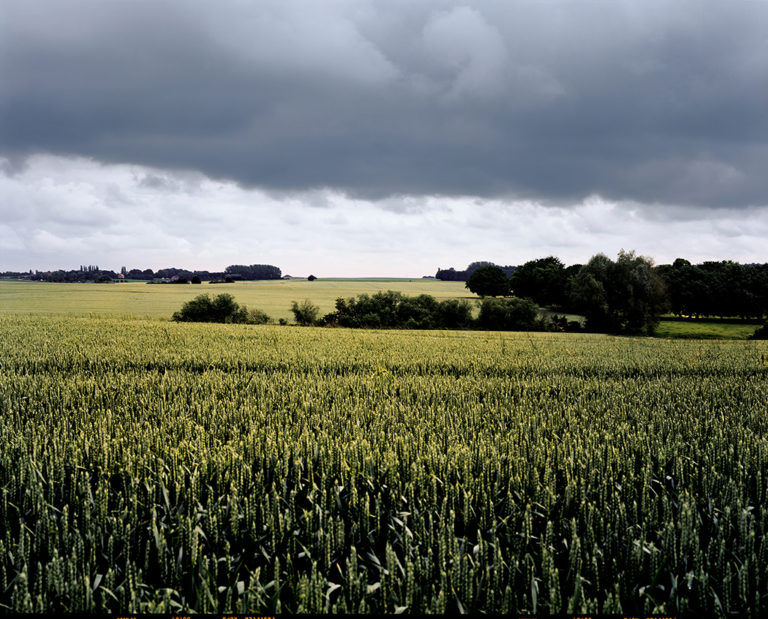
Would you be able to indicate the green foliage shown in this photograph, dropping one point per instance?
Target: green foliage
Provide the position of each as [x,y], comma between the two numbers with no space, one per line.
[222,308]
[253,271]
[626,296]
[560,323]
[761,333]
[305,313]
[723,288]
[488,281]
[172,468]
[453,314]
[512,314]
[543,280]
[392,309]
[256,317]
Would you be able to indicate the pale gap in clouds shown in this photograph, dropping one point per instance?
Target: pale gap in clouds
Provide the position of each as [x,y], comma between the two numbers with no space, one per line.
[62,212]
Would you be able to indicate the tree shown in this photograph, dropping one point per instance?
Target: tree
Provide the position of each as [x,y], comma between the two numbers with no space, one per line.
[543,280]
[311,278]
[626,296]
[305,313]
[452,275]
[488,281]
[253,271]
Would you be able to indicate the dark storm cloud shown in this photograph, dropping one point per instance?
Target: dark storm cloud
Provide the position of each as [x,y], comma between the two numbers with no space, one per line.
[647,101]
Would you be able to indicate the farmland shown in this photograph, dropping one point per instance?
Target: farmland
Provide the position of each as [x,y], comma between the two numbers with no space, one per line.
[151,466]
[139,299]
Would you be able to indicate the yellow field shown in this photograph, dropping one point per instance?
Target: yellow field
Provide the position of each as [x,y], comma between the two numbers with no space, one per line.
[141,300]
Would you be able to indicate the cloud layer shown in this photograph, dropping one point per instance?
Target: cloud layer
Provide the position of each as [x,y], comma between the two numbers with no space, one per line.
[650,102]
[63,212]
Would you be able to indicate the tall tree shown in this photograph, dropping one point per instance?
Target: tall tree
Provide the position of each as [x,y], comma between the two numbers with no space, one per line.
[488,281]
[543,280]
[625,296]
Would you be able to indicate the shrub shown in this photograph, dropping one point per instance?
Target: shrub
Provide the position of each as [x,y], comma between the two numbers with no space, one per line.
[454,314]
[257,317]
[561,323]
[392,309]
[222,308]
[512,314]
[761,333]
[305,313]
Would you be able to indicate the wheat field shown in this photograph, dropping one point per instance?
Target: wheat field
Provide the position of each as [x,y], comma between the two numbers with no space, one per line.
[166,467]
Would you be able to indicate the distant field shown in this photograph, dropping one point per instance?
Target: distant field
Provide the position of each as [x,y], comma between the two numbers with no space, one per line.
[139,299]
[710,330]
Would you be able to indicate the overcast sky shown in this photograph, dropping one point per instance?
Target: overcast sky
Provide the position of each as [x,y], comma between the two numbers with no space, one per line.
[380,137]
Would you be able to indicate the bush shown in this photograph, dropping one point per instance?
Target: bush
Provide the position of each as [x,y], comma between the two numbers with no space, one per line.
[512,314]
[305,313]
[222,308]
[761,333]
[257,317]
[454,314]
[561,323]
[392,309]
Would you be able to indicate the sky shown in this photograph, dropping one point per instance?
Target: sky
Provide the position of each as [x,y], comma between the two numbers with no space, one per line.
[380,137]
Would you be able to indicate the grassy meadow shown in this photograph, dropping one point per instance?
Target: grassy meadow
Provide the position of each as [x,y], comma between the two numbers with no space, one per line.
[154,466]
[705,329]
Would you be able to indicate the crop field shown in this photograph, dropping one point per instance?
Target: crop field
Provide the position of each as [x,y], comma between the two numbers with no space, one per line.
[150,466]
[139,299]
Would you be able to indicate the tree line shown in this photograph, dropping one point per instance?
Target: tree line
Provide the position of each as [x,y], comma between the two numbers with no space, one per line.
[452,275]
[629,294]
[92,273]
[723,288]
[626,295]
